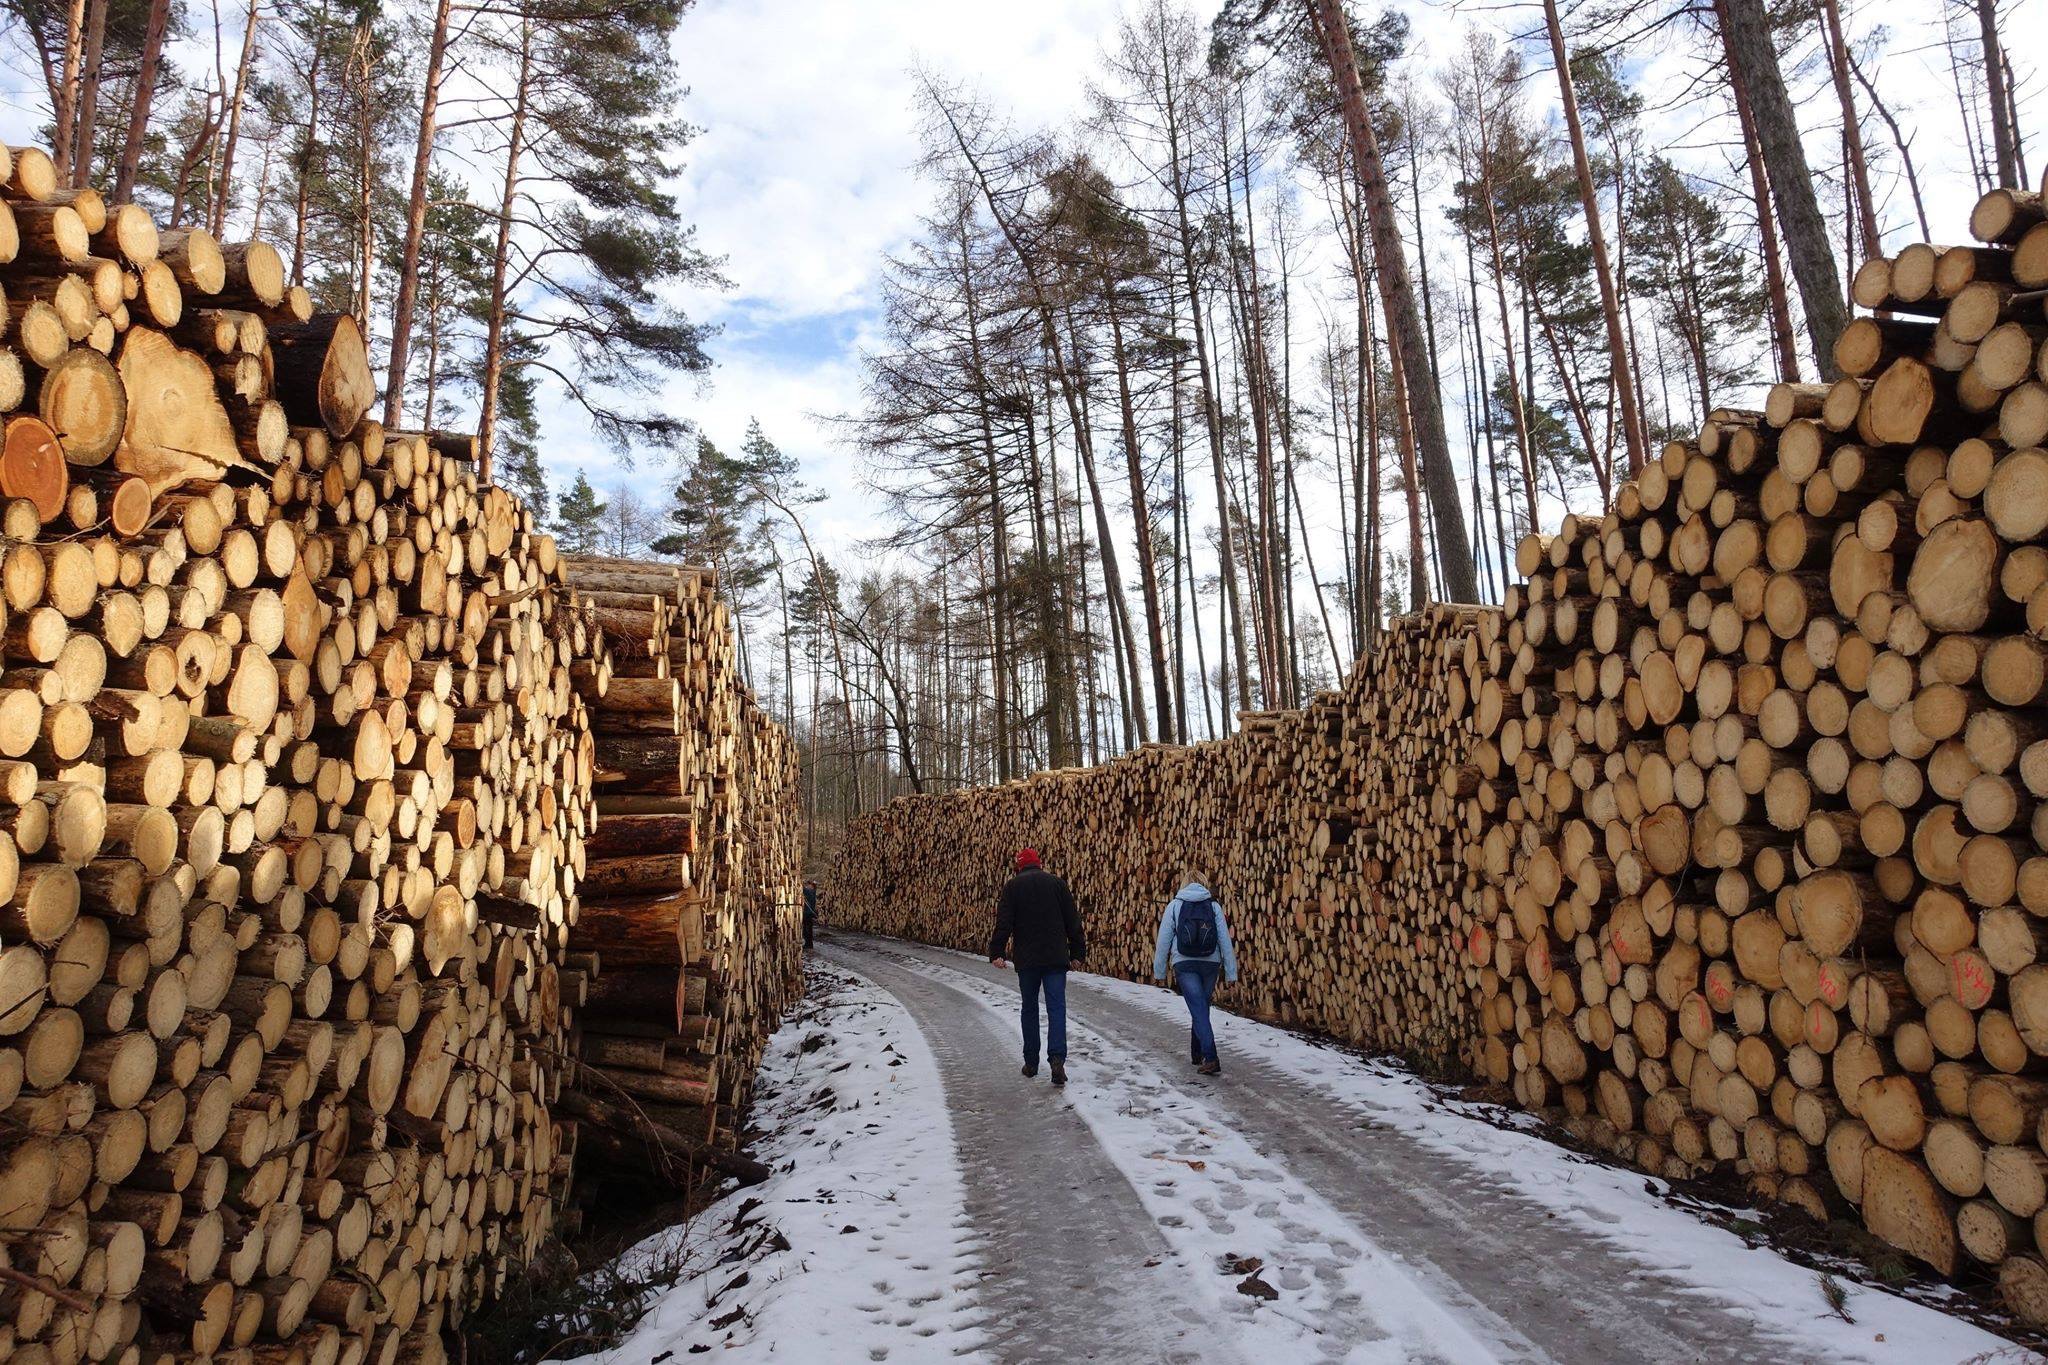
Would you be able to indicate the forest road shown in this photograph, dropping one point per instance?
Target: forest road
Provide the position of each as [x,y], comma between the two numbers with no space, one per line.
[1073,1258]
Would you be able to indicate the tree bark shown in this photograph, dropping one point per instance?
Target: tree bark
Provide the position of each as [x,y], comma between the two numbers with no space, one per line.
[1623,378]
[1782,342]
[1746,34]
[1852,131]
[501,267]
[87,114]
[2004,133]
[1397,297]
[65,104]
[999,535]
[1141,520]
[307,148]
[415,224]
[217,217]
[1212,410]
[145,94]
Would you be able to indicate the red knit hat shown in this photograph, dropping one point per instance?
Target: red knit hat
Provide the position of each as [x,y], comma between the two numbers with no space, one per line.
[1026,857]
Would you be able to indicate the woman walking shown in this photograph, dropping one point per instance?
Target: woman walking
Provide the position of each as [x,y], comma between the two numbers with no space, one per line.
[1195,942]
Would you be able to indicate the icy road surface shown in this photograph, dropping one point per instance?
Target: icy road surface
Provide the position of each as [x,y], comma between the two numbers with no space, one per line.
[931,1204]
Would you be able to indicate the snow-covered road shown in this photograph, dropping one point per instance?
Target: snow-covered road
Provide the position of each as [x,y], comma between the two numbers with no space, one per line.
[930,1203]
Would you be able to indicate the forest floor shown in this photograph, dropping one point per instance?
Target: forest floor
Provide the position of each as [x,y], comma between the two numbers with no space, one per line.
[930,1203]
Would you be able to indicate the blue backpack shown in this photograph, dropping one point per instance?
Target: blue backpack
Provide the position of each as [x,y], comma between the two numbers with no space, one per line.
[1194,934]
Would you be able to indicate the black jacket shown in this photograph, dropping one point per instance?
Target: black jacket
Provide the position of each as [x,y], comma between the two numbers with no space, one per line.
[1038,911]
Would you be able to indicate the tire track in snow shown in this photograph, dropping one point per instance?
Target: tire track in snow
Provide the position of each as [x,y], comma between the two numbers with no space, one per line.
[1072,1264]
[1214,1195]
[1531,1283]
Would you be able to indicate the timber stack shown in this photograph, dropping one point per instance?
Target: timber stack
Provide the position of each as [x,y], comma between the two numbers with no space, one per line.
[299,781]
[743,777]
[1321,830]
[691,960]
[1747,834]
[1761,880]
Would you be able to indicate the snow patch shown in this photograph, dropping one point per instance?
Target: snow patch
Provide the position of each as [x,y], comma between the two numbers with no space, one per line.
[855,1249]
[1625,1209]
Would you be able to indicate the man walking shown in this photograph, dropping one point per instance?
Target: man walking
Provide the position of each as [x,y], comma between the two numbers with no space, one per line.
[1193,938]
[1037,911]
[810,913]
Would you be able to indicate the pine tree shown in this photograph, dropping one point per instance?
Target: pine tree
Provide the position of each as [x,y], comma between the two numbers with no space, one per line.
[715,517]
[579,518]
[590,245]
[1697,280]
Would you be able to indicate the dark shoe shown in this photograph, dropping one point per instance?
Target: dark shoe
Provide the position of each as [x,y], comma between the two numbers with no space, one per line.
[1031,1068]
[1195,1059]
[1059,1071]
[1211,1067]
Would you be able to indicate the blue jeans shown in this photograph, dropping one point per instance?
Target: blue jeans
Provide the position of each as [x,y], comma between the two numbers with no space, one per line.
[1053,981]
[1197,987]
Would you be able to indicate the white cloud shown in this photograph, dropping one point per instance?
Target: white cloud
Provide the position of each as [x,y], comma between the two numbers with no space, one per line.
[805,176]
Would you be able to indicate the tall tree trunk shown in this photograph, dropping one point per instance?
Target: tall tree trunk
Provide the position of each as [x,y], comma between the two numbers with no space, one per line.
[1622,375]
[224,188]
[1177,436]
[1746,33]
[64,97]
[1258,371]
[1141,521]
[1062,749]
[1122,637]
[145,95]
[366,170]
[1212,408]
[415,222]
[1251,348]
[998,526]
[1308,554]
[1397,296]
[1368,342]
[86,117]
[1783,343]
[309,147]
[1852,131]
[1518,402]
[1365,437]
[1485,390]
[501,267]
[2004,132]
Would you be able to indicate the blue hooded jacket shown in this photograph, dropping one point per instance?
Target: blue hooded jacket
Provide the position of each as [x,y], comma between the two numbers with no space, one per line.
[1168,952]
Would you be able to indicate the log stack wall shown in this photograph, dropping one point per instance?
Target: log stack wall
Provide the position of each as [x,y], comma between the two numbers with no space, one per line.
[689,928]
[1734,851]
[1322,830]
[298,783]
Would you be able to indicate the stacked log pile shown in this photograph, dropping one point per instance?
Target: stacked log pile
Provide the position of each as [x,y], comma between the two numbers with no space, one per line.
[298,783]
[1751,821]
[1764,883]
[1321,830]
[742,775]
[684,931]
